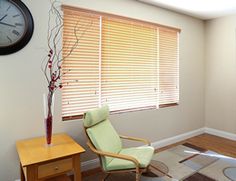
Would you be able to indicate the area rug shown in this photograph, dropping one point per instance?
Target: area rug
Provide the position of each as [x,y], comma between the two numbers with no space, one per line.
[185,162]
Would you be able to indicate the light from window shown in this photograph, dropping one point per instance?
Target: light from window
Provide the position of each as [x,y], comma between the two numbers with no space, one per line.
[125,63]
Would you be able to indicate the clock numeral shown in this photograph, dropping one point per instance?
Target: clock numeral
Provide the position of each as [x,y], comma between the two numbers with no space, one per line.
[15,32]
[15,15]
[9,39]
[8,8]
[18,24]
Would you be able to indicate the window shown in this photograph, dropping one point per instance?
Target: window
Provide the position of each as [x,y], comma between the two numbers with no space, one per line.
[125,63]
[168,67]
[129,65]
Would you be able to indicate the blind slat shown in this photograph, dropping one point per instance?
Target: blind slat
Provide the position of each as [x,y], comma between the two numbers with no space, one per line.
[169,68]
[80,69]
[126,47]
[139,64]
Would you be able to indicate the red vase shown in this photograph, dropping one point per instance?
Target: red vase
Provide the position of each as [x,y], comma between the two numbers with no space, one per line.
[48,124]
[48,114]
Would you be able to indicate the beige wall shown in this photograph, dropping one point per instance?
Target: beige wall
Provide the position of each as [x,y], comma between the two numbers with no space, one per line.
[221,74]
[23,85]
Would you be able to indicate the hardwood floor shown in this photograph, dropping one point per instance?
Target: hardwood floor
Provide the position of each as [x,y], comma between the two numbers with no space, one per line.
[209,142]
[206,141]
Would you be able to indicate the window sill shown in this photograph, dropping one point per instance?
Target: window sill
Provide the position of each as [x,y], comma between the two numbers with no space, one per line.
[168,105]
[69,118]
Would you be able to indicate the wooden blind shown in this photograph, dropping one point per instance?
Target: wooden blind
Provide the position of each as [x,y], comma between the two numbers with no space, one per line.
[168,67]
[80,69]
[129,65]
[125,63]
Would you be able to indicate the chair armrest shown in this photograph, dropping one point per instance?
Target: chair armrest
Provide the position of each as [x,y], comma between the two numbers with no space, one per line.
[136,139]
[114,155]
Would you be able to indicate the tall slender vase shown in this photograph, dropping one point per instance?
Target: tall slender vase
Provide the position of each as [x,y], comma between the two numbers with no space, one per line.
[48,116]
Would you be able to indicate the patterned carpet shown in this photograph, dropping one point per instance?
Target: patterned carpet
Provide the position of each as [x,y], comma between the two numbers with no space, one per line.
[183,163]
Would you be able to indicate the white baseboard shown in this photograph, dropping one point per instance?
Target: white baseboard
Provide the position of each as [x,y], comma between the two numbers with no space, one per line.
[168,141]
[95,162]
[220,133]
[175,139]
[90,164]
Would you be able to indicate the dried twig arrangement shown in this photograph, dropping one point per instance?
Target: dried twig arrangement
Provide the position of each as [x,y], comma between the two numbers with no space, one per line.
[51,65]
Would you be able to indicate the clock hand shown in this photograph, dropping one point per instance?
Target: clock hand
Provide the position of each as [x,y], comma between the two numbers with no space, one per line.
[3,17]
[7,24]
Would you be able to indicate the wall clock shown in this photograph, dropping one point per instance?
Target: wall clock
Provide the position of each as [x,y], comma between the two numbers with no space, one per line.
[16,26]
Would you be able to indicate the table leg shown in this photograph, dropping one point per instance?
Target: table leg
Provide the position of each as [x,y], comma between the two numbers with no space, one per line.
[31,173]
[76,165]
[22,175]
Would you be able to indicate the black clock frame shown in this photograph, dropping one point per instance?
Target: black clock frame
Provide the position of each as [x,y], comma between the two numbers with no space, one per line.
[27,34]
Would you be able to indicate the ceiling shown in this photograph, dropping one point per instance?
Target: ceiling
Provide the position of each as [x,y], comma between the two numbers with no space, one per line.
[202,9]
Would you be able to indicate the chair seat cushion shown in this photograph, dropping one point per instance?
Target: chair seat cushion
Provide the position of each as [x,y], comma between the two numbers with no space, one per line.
[142,154]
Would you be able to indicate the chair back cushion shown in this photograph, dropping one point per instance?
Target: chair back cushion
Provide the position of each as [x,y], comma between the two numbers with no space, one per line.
[95,116]
[101,133]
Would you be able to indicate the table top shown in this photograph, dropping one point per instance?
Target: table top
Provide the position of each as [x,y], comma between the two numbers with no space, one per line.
[35,150]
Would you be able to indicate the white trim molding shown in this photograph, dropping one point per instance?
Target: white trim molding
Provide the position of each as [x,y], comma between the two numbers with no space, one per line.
[220,133]
[175,139]
[90,164]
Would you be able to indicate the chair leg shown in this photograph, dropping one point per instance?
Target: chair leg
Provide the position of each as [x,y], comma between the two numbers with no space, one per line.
[106,176]
[138,174]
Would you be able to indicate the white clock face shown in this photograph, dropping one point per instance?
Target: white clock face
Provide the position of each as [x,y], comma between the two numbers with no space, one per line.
[12,23]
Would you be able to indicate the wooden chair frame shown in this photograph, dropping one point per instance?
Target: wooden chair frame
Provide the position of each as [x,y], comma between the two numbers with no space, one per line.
[137,168]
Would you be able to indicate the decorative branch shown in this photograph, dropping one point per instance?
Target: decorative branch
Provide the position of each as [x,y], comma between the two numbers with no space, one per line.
[51,65]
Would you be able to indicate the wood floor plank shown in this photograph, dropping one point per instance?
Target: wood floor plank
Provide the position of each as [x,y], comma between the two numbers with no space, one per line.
[214,143]
[206,141]
[209,142]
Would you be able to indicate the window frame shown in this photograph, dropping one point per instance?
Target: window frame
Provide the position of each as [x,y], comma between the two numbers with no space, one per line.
[159,26]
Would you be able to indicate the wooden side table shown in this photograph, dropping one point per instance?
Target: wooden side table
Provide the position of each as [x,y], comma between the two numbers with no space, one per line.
[39,161]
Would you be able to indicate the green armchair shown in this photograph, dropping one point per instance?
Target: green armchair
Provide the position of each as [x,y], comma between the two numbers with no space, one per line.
[106,143]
